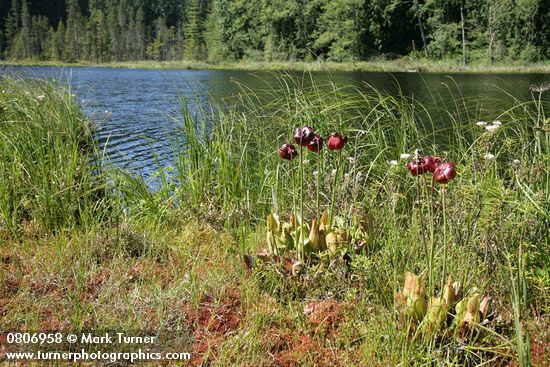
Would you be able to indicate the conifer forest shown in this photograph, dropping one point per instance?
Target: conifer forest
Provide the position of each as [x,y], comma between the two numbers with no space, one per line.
[100,31]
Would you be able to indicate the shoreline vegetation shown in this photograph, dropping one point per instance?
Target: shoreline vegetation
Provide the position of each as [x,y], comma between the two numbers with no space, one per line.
[447,33]
[400,65]
[87,246]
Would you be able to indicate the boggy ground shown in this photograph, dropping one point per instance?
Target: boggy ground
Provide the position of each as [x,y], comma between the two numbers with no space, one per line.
[83,250]
[191,279]
[195,283]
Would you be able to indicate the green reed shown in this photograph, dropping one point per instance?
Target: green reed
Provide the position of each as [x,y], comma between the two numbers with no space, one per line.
[47,159]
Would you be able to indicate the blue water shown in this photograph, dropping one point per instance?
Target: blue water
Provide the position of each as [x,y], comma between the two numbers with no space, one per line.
[136,108]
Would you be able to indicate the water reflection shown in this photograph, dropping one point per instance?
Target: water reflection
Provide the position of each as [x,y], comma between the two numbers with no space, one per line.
[135,106]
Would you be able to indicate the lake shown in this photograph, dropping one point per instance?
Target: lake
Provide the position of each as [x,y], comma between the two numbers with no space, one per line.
[134,106]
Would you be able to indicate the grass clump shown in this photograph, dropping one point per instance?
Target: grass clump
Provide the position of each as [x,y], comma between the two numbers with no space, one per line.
[47,179]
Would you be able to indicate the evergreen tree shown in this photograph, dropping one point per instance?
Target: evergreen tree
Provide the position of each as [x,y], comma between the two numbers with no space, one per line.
[388,22]
[542,26]
[141,33]
[12,24]
[2,42]
[39,36]
[131,38]
[122,27]
[341,30]
[212,35]
[72,32]
[194,45]
[26,30]
[50,47]
[97,37]
[115,31]
[243,27]
[156,50]
[59,41]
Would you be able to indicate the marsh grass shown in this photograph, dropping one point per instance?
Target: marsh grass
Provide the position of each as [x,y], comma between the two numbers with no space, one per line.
[234,166]
[405,64]
[47,163]
[120,254]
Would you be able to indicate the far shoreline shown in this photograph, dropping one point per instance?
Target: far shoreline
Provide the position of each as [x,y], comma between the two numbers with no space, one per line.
[395,66]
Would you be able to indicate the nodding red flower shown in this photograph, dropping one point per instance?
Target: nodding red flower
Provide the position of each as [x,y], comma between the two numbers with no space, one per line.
[316,144]
[416,168]
[445,172]
[287,151]
[426,164]
[431,163]
[336,141]
[304,135]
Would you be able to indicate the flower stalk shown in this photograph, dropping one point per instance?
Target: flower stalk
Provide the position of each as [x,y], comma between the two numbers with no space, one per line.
[444,236]
[443,172]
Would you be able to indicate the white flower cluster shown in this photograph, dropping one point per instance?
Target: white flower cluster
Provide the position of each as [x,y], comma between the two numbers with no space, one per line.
[489,127]
[403,157]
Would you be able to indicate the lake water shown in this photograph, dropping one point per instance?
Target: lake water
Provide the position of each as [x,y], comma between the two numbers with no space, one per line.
[134,106]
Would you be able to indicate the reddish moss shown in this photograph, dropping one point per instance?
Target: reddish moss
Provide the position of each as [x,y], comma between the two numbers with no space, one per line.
[211,322]
[325,316]
[540,350]
[292,349]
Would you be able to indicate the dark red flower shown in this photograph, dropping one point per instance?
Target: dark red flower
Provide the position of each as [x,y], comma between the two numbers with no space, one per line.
[287,151]
[445,172]
[304,135]
[316,144]
[430,163]
[416,168]
[426,164]
[336,141]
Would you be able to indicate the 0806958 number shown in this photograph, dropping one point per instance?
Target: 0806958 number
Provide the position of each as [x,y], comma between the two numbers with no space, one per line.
[34,338]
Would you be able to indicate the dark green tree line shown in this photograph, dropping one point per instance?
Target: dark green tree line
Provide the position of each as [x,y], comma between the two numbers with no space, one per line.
[274,30]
